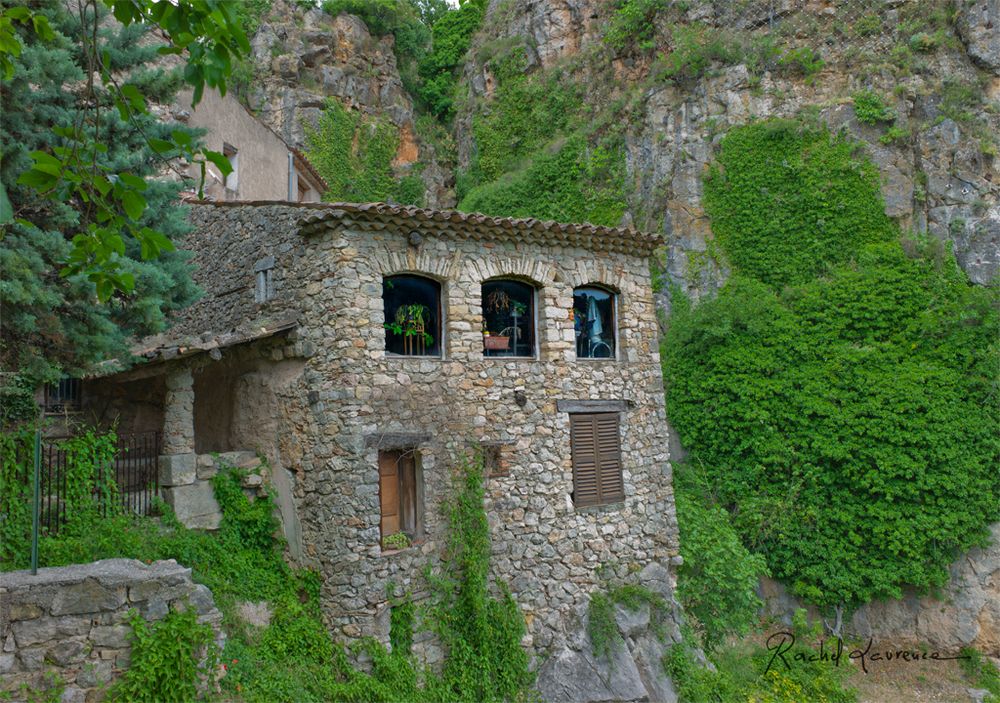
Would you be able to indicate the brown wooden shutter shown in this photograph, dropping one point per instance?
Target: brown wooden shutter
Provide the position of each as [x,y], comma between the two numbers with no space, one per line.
[609,458]
[595,441]
[388,491]
[583,444]
[407,493]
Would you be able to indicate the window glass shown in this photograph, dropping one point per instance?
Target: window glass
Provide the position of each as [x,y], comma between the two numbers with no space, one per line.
[594,323]
[508,319]
[412,306]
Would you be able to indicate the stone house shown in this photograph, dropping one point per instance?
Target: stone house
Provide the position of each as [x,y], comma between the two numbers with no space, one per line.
[348,345]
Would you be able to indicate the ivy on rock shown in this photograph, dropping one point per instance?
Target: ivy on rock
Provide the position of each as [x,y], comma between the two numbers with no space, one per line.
[841,388]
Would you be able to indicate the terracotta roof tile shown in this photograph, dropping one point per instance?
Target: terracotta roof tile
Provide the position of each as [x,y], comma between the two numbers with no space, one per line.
[379,216]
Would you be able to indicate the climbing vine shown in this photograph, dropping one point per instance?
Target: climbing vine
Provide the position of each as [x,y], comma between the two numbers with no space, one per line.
[536,155]
[354,154]
[787,201]
[841,388]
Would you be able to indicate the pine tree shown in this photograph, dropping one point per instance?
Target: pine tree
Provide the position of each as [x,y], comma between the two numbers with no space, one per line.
[51,324]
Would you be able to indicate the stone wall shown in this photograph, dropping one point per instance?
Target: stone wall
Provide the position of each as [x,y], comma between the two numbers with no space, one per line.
[358,400]
[73,621]
[965,613]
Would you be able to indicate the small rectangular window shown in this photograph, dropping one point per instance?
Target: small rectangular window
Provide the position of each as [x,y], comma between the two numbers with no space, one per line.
[496,459]
[400,494]
[264,288]
[63,396]
[595,442]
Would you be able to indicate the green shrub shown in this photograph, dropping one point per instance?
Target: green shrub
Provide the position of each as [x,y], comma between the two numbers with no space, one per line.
[837,388]
[869,108]
[787,202]
[527,112]
[981,672]
[742,675]
[802,61]
[170,661]
[717,583]
[354,155]
[451,37]
[569,185]
[632,24]
[695,48]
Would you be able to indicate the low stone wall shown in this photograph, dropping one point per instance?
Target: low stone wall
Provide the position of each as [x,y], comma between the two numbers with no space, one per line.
[72,621]
[966,613]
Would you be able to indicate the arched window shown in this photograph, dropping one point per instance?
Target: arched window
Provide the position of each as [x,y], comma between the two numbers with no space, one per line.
[594,323]
[508,318]
[412,306]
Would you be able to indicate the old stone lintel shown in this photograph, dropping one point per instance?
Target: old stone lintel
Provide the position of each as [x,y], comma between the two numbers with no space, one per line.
[397,440]
[592,406]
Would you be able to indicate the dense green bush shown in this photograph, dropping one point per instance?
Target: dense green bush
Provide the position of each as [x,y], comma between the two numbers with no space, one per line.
[870,109]
[528,110]
[840,392]
[632,24]
[536,157]
[717,583]
[786,202]
[695,48]
[451,36]
[572,184]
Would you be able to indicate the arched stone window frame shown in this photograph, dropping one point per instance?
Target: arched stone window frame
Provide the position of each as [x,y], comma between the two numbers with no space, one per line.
[616,297]
[440,327]
[535,289]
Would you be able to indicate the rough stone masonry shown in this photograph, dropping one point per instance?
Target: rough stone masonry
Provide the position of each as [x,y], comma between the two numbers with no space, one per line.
[72,621]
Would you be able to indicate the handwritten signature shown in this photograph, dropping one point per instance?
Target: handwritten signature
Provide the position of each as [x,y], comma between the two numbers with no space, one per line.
[781,643]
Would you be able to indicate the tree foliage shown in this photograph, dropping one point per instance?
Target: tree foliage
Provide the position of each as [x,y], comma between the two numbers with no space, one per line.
[71,170]
[51,284]
[841,390]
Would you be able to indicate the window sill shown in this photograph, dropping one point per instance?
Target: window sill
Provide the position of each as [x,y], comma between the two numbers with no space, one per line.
[603,508]
[509,358]
[591,360]
[415,357]
[414,547]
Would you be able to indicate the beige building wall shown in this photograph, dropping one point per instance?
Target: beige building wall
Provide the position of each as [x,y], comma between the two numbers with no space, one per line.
[261,159]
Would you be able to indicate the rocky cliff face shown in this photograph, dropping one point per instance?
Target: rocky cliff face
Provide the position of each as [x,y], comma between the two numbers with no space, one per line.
[939,171]
[303,58]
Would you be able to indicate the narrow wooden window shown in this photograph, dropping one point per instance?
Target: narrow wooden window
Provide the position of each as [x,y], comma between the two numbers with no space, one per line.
[595,442]
[400,495]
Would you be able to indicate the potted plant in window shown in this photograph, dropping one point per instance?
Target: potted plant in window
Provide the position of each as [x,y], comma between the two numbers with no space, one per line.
[497,301]
[410,321]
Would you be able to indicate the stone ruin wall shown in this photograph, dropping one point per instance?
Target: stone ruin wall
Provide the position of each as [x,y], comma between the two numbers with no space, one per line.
[72,621]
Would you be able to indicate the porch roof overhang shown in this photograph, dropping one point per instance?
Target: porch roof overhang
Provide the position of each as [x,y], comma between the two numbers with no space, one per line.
[154,352]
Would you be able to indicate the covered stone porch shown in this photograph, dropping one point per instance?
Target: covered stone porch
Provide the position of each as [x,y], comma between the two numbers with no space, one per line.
[225,401]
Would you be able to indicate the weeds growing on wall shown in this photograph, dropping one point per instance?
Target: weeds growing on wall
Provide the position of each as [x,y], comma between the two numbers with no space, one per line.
[840,390]
[170,660]
[354,155]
